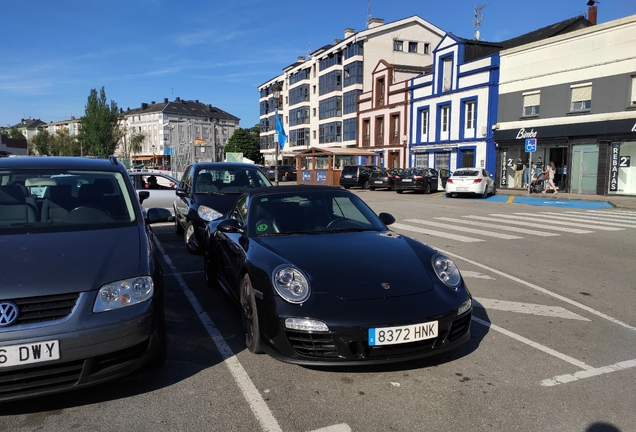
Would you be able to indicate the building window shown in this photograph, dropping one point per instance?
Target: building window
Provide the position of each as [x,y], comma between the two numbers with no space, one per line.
[427,48]
[353,50]
[349,129]
[398,45]
[447,73]
[632,100]
[444,119]
[350,101]
[330,132]
[379,131]
[353,73]
[581,97]
[531,102]
[470,115]
[330,82]
[331,107]
[379,92]
[395,129]
[424,122]
[412,47]
[366,126]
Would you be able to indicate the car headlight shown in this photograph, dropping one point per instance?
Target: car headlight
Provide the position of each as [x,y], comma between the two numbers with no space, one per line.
[291,284]
[446,271]
[208,214]
[127,292]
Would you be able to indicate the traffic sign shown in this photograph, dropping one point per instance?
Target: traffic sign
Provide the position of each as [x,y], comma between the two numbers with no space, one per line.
[531,145]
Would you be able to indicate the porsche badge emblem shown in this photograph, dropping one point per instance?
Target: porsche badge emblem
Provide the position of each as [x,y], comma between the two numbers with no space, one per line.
[386,285]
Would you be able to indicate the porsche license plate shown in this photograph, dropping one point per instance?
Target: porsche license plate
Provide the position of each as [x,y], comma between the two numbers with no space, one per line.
[403,334]
[36,352]
[378,182]
[407,180]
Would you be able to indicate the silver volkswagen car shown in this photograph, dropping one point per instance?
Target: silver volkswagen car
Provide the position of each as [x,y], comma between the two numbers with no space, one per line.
[81,289]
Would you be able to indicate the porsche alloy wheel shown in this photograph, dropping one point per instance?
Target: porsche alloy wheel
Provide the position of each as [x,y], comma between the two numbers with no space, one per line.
[249,315]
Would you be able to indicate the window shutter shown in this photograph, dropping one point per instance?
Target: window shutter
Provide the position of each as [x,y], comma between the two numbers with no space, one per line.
[581,93]
[532,100]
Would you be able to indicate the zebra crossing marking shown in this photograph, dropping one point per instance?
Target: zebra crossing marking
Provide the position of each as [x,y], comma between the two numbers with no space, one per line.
[437,233]
[607,217]
[524,216]
[500,227]
[530,224]
[465,229]
[587,219]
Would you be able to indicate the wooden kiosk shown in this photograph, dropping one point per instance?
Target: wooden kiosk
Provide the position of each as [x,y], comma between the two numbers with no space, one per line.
[317,166]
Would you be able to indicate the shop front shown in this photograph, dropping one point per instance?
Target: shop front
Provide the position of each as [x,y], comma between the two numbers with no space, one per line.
[590,158]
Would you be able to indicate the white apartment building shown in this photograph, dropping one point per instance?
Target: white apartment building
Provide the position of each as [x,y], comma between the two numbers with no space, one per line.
[186,126]
[71,126]
[318,105]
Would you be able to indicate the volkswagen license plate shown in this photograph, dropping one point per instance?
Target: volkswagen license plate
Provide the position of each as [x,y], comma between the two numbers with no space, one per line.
[403,334]
[36,352]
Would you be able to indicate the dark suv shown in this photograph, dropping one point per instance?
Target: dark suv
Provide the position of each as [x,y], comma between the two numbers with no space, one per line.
[285,173]
[356,175]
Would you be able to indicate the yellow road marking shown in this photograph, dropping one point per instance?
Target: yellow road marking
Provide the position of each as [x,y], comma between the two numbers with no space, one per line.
[510,199]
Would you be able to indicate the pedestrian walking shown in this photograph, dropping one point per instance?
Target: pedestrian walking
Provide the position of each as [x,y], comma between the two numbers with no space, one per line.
[519,167]
[549,175]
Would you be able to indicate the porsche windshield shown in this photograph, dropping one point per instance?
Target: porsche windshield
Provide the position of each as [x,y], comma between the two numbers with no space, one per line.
[310,213]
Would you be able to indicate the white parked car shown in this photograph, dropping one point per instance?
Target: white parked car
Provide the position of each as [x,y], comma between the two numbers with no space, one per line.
[470,181]
[160,185]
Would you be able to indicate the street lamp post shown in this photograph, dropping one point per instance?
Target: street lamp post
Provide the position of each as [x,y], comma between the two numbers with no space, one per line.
[277,89]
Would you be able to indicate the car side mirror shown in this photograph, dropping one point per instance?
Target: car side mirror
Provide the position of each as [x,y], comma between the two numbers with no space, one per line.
[155,215]
[230,226]
[181,193]
[143,195]
[386,218]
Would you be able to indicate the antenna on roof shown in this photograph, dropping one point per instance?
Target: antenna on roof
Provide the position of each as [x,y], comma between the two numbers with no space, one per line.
[369,7]
[309,49]
[479,17]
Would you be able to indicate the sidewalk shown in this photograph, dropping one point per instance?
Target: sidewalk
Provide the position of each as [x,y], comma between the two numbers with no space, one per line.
[617,201]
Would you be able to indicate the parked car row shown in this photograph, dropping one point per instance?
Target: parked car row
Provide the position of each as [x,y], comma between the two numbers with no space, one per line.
[464,181]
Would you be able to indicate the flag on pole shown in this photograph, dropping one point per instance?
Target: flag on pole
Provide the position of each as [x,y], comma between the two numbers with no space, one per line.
[282,136]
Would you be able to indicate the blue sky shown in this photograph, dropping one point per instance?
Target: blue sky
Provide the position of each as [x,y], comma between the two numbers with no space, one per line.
[53,52]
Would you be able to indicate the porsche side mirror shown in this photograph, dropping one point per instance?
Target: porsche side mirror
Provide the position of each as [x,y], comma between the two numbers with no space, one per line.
[230,226]
[386,218]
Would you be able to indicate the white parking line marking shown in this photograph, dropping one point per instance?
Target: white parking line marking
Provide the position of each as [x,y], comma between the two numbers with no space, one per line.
[527,308]
[501,227]
[251,394]
[547,220]
[342,427]
[533,344]
[476,275]
[465,229]
[436,233]
[542,290]
[562,379]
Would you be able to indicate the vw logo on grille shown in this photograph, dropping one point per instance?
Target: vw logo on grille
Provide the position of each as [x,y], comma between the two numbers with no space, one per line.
[8,313]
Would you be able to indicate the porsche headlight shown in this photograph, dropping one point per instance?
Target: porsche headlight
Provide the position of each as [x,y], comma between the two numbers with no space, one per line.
[291,284]
[446,271]
[208,214]
[127,292]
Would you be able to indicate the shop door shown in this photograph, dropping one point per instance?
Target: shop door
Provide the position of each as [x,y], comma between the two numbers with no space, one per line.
[584,169]
[468,158]
[558,155]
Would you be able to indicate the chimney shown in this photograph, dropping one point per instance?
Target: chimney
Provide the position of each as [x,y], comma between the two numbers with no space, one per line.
[337,41]
[349,32]
[144,106]
[152,103]
[375,22]
[301,59]
[592,11]
[177,99]
[196,101]
[165,100]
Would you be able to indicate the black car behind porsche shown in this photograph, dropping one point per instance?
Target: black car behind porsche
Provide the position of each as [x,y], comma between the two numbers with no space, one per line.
[284,254]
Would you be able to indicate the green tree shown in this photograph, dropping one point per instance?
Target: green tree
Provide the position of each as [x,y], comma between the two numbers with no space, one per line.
[135,142]
[99,125]
[13,133]
[43,143]
[244,141]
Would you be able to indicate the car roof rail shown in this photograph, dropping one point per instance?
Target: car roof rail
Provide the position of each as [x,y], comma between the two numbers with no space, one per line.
[113,160]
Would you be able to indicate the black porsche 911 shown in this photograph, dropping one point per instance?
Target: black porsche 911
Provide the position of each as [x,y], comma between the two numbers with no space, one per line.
[290,256]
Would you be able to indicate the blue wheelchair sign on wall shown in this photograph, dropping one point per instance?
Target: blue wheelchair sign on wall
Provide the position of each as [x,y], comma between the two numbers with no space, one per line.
[531,145]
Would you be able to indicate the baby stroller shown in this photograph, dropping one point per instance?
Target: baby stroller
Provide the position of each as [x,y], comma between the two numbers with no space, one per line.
[538,184]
